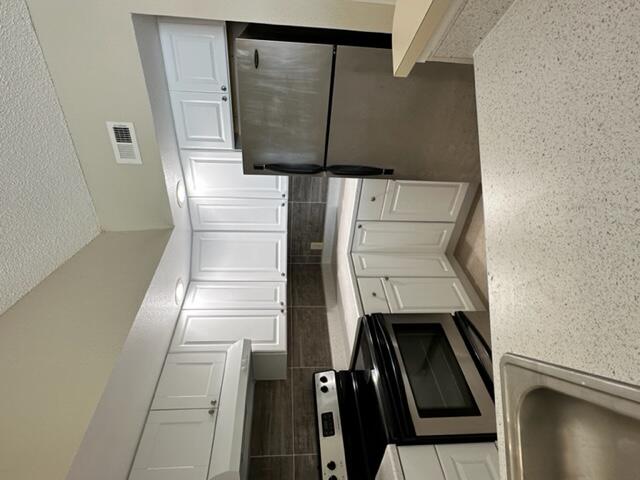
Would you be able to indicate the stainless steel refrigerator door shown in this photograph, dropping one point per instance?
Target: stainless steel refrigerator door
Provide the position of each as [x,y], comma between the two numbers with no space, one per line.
[423,127]
[284,101]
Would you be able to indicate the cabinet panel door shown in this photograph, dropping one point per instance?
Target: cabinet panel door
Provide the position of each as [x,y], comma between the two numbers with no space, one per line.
[469,461]
[175,445]
[420,462]
[239,256]
[219,174]
[215,330]
[402,265]
[372,294]
[371,199]
[189,380]
[235,295]
[423,201]
[401,237]
[238,214]
[202,120]
[426,295]
[195,56]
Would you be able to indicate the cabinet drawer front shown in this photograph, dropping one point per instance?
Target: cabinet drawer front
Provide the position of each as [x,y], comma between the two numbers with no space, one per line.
[235,295]
[401,237]
[238,214]
[371,199]
[423,201]
[219,174]
[175,444]
[195,56]
[239,256]
[425,295]
[470,460]
[372,294]
[189,380]
[215,330]
[402,265]
[202,120]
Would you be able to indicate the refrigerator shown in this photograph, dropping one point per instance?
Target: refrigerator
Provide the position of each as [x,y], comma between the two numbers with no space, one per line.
[314,102]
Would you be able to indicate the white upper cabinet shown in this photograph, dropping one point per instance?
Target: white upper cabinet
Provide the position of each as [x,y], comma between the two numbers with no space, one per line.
[235,295]
[469,461]
[423,201]
[402,265]
[216,330]
[195,56]
[238,214]
[401,237]
[202,120]
[219,174]
[426,295]
[239,256]
[175,445]
[190,380]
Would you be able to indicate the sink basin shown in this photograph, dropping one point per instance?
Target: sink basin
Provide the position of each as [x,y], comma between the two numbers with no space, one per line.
[565,424]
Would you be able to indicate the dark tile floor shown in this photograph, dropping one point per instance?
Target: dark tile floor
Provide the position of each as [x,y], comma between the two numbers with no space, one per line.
[283,437]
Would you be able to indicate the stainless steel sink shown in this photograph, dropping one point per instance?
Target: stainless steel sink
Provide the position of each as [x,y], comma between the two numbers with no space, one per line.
[565,424]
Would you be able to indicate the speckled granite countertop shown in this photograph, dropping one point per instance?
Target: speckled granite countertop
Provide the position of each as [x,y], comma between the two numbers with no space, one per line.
[559,118]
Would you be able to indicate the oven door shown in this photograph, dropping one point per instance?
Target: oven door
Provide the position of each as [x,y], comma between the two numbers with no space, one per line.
[445,393]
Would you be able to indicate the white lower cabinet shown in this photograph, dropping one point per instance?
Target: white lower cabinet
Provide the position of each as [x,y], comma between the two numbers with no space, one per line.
[402,237]
[239,256]
[469,461]
[372,295]
[235,296]
[425,295]
[402,264]
[175,445]
[238,214]
[190,380]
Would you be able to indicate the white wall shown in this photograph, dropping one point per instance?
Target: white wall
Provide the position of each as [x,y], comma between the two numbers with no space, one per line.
[91,51]
[46,213]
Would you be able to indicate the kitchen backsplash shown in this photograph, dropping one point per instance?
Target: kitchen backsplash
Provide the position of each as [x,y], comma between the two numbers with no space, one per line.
[307,206]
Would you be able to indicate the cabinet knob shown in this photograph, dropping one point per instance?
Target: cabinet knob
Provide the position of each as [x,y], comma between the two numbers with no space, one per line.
[214,402]
[224,98]
[373,199]
[223,88]
[212,411]
[359,226]
[374,294]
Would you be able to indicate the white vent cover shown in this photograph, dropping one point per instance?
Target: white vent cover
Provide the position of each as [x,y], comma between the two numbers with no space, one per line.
[124,142]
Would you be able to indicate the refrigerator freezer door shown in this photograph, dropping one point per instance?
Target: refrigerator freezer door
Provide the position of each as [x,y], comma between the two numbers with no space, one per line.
[284,100]
[422,127]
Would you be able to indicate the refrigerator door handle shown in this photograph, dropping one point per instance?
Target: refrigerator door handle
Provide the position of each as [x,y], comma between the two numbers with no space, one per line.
[358,170]
[298,168]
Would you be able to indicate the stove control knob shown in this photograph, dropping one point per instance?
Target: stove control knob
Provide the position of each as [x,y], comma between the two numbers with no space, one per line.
[333,477]
[331,465]
[324,389]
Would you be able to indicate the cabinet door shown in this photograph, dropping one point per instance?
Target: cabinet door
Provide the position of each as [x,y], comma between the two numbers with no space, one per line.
[423,201]
[175,445]
[235,295]
[372,295]
[219,174]
[425,295]
[371,199]
[401,237]
[189,380]
[420,462]
[239,256]
[195,56]
[202,120]
[215,330]
[469,461]
[238,214]
[402,265]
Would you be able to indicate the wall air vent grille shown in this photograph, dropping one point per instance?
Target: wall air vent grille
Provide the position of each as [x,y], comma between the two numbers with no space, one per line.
[124,142]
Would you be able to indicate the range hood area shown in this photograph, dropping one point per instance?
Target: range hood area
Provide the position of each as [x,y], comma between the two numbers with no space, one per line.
[325,102]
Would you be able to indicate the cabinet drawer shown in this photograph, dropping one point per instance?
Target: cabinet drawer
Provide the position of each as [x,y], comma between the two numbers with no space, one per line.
[402,265]
[423,201]
[401,237]
[215,330]
[425,295]
[219,174]
[189,380]
[202,120]
[238,214]
[371,199]
[372,294]
[175,444]
[235,295]
[239,256]
[195,56]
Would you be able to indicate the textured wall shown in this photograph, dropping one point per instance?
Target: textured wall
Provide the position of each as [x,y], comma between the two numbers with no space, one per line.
[46,214]
[559,121]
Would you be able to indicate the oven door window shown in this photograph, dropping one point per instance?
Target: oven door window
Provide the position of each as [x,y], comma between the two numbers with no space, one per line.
[436,379]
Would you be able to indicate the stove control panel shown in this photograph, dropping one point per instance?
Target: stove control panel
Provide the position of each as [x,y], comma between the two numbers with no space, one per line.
[332,455]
